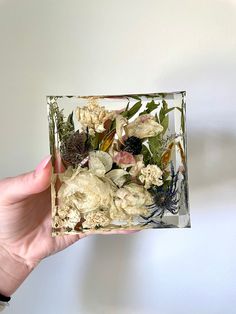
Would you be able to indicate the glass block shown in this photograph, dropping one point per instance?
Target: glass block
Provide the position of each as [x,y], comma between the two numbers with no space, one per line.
[119,162]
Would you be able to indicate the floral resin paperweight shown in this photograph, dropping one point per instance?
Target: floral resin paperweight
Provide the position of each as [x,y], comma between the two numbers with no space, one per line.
[119,162]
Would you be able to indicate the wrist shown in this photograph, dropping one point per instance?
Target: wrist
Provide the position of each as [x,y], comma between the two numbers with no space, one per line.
[13,271]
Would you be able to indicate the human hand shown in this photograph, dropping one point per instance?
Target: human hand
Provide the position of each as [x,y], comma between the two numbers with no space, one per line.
[25,226]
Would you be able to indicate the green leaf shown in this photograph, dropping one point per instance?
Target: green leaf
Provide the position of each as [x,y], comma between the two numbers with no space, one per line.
[161,115]
[165,123]
[135,97]
[150,106]
[164,104]
[132,111]
[168,110]
[155,144]
[95,141]
[70,122]
[147,157]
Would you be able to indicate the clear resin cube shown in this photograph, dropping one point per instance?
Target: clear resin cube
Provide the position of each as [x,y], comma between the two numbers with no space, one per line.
[119,162]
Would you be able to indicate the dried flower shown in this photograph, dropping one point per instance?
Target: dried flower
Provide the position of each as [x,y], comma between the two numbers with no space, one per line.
[85,191]
[132,199]
[120,123]
[133,145]
[143,126]
[76,148]
[95,220]
[118,176]
[136,168]
[100,162]
[73,217]
[93,116]
[57,222]
[124,159]
[151,175]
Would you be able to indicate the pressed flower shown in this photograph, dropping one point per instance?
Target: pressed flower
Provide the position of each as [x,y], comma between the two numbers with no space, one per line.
[144,126]
[151,175]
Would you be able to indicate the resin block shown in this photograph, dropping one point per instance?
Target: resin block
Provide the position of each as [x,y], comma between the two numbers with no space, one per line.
[119,162]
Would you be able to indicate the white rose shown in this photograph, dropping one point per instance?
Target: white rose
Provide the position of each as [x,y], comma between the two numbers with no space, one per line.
[86,192]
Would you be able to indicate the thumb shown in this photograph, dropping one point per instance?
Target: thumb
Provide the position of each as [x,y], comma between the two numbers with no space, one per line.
[18,188]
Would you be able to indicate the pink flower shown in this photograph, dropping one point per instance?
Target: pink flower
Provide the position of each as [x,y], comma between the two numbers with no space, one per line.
[124,159]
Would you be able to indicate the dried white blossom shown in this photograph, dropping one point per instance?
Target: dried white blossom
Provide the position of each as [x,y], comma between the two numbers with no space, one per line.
[143,126]
[57,222]
[135,169]
[118,176]
[151,175]
[93,116]
[96,219]
[86,192]
[63,211]
[100,162]
[73,218]
[120,123]
[132,199]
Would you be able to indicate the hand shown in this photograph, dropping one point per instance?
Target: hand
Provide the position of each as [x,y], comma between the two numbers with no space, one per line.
[25,226]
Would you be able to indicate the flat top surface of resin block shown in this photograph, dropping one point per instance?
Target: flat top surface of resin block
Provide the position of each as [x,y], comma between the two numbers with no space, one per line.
[119,162]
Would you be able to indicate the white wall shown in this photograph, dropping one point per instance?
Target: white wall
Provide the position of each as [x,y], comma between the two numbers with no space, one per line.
[111,47]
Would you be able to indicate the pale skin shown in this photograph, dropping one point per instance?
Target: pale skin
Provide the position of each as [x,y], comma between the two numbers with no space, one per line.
[25,226]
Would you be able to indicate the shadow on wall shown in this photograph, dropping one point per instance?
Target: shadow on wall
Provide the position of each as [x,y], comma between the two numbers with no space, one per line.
[105,283]
[211,159]
[108,268]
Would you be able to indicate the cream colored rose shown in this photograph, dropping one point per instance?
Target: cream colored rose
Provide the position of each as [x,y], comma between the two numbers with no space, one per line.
[144,126]
[132,199]
[86,192]
[93,116]
[96,219]
[151,175]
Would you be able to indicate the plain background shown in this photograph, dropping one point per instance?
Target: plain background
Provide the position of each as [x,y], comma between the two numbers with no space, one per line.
[111,47]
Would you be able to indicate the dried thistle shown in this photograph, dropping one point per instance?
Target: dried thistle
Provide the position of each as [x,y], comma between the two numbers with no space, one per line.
[75,148]
[164,199]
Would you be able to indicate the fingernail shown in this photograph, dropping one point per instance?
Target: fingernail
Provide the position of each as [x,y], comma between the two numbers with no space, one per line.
[43,164]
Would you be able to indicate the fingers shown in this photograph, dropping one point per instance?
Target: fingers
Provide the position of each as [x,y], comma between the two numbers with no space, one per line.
[18,188]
